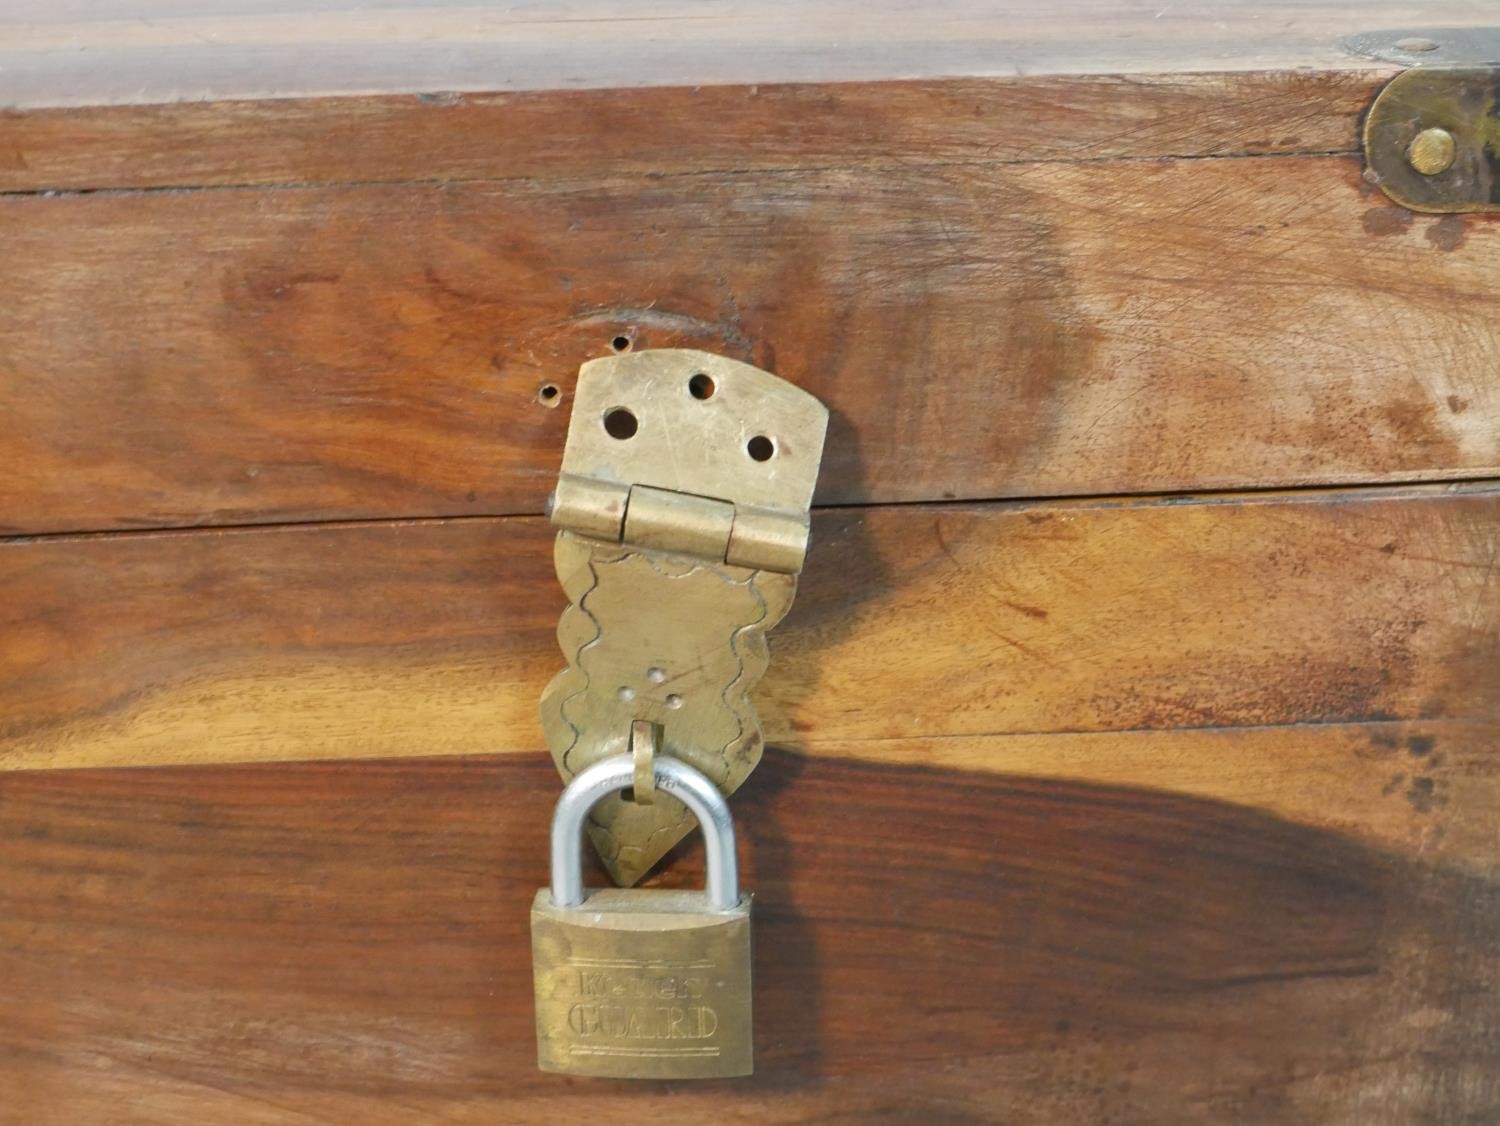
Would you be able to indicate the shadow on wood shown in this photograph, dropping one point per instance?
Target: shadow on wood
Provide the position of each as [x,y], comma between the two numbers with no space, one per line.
[350,941]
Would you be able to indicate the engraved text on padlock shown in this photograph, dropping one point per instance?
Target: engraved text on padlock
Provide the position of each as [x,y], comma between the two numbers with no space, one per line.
[635,983]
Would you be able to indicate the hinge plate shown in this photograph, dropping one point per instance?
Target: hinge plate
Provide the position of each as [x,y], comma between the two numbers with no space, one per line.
[694,452]
[681,530]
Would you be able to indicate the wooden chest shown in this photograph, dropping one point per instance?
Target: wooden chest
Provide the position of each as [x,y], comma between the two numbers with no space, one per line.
[1134,743]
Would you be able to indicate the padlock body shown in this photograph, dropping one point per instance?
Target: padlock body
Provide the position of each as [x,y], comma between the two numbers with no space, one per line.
[642,984]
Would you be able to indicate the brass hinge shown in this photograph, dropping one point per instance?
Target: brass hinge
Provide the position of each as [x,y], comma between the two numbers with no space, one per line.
[682,517]
[1432,135]
[688,452]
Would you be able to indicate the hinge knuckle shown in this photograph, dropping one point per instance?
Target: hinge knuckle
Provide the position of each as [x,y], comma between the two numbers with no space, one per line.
[769,541]
[589,507]
[678,522]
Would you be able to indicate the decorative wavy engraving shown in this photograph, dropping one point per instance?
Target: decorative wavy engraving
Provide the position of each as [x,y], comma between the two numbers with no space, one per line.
[680,642]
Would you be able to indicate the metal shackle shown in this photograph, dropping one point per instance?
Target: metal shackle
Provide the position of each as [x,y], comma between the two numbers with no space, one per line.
[673,776]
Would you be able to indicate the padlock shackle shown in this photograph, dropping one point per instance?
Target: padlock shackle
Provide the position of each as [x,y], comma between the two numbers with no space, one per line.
[673,776]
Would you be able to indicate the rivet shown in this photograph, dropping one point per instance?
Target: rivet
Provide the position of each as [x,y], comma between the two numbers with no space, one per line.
[1415,43]
[1432,151]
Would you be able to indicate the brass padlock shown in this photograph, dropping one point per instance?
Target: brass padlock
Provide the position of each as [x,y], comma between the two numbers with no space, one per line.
[642,984]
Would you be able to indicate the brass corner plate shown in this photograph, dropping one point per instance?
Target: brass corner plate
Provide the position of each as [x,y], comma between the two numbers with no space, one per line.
[682,516]
[1432,139]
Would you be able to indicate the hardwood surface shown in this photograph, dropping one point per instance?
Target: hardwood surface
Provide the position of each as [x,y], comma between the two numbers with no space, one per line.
[1115,809]
[246,356]
[348,943]
[141,51]
[1279,652]
[560,134]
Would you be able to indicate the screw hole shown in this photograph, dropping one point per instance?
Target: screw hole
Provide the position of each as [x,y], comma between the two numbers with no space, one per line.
[549,394]
[620,344]
[620,423]
[760,448]
[701,386]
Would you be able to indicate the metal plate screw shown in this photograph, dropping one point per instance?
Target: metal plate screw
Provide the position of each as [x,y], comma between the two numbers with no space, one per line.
[1432,151]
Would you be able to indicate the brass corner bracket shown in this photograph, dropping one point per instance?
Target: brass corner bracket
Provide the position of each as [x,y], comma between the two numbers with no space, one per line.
[1432,135]
[682,517]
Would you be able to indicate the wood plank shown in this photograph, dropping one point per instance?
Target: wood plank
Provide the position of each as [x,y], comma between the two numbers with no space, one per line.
[347,943]
[1427,787]
[149,51]
[566,134]
[978,331]
[1301,654]
[1191,801]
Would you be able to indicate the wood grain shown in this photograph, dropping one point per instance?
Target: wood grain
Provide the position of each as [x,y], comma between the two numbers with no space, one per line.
[152,51]
[563,134]
[337,943]
[1300,654]
[1117,811]
[979,332]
